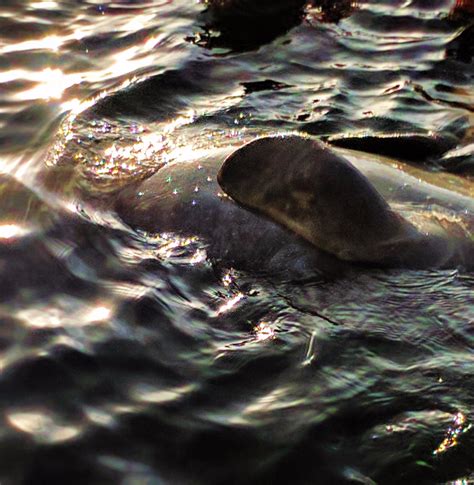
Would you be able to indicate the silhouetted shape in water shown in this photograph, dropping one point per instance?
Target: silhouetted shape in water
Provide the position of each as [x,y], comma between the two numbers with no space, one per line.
[243,25]
[332,11]
[246,25]
[462,47]
[252,8]
[392,138]
[406,146]
[266,85]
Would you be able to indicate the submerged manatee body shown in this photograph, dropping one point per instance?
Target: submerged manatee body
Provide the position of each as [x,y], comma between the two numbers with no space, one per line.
[290,202]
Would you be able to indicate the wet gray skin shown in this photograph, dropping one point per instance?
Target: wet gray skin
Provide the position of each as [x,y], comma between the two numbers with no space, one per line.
[292,204]
[184,199]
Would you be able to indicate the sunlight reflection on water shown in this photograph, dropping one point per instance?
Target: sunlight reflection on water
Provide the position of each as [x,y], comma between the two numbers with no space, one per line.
[128,356]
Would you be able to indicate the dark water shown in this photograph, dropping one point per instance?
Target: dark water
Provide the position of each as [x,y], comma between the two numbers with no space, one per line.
[131,358]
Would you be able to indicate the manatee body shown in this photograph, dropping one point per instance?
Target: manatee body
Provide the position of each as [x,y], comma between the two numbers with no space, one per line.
[184,199]
[290,203]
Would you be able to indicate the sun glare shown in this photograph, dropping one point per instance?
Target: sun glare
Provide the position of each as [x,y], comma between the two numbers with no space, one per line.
[12,231]
[51,84]
[51,42]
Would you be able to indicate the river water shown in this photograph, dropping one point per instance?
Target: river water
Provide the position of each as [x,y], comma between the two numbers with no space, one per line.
[128,357]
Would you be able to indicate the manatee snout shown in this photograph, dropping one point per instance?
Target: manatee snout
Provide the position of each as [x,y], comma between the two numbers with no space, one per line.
[306,187]
[268,169]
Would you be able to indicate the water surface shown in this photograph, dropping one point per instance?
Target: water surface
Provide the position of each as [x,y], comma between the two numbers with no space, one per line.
[128,357]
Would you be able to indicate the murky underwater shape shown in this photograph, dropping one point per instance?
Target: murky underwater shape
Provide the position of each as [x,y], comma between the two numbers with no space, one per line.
[133,357]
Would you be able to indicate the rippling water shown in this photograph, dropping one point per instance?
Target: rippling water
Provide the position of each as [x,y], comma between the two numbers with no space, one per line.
[128,357]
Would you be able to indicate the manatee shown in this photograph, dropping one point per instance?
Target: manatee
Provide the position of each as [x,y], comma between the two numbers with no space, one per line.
[184,199]
[321,196]
[247,24]
[291,202]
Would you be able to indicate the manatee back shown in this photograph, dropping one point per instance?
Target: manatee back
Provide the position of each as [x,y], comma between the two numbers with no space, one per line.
[184,199]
